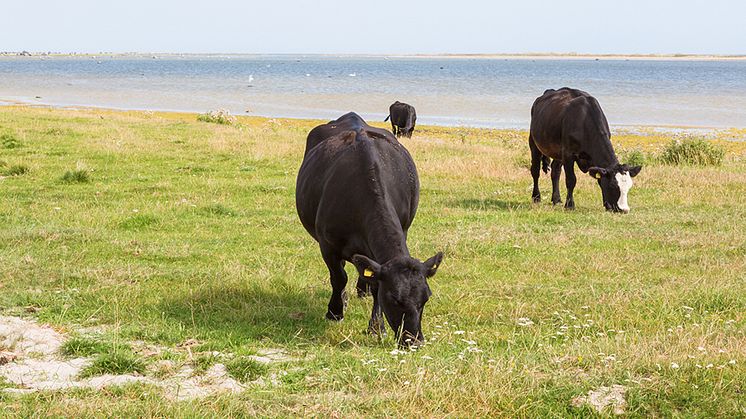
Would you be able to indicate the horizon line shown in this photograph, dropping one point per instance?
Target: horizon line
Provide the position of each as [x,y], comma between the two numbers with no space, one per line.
[363,54]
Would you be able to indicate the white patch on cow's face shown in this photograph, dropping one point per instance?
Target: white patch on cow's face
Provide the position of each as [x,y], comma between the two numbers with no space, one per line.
[624,180]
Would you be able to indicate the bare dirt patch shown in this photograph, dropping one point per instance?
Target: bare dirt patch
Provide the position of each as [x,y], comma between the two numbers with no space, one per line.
[604,397]
[30,360]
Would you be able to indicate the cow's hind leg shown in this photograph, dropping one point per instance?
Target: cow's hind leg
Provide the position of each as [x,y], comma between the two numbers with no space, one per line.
[535,169]
[556,171]
[338,279]
[570,181]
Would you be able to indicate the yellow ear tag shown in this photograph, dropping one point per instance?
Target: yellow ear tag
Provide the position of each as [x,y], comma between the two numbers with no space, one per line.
[367,273]
[598,175]
[435,266]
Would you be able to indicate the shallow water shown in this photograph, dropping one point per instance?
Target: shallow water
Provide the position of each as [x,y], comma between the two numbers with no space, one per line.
[446,91]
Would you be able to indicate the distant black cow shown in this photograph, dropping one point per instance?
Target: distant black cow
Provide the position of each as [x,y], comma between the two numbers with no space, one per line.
[356,194]
[403,118]
[569,126]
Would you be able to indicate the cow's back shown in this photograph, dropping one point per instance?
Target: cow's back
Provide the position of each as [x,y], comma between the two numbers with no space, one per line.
[355,175]
[557,112]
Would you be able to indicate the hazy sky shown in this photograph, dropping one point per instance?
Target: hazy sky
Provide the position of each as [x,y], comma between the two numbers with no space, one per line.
[383,26]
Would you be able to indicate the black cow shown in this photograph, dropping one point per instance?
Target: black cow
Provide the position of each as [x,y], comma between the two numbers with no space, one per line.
[568,126]
[403,118]
[356,194]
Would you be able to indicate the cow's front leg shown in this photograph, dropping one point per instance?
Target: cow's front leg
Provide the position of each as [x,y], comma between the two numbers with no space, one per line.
[338,279]
[362,287]
[376,325]
[570,181]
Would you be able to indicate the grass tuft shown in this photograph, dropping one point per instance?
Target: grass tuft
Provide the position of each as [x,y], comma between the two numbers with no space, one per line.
[80,346]
[9,141]
[16,170]
[635,158]
[218,209]
[203,362]
[76,176]
[245,369]
[219,116]
[138,222]
[693,151]
[118,361]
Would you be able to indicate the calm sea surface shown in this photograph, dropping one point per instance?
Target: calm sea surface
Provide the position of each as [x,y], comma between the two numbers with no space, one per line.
[446,91]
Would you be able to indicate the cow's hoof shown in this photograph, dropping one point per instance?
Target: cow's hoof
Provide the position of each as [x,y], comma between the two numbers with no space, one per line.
[536,199]
[569,206]
[556,202]
[334,317]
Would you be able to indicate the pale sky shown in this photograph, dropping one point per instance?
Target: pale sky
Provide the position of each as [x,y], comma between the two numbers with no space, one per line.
[375,27]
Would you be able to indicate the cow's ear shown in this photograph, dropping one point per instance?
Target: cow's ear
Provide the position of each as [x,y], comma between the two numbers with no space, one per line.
[367,268]
[633,171]
[433,263]
[597,172]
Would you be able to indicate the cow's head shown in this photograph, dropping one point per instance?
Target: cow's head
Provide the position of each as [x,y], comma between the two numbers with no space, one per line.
[615,183]
[402,292]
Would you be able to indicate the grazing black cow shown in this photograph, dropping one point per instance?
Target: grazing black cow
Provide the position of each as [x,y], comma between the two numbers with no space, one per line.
[568,126]
[403,118]
[356,194]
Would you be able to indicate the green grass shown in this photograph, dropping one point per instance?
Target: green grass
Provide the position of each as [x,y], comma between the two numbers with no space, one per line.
[220,116]
[80,346]
[634,157]
[9,141]
[16,170]
[117,361]
[189,232]
[693,150]
[204,362]
[76,176]
[245,369]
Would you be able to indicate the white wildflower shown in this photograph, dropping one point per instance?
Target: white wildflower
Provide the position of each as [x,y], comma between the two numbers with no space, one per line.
[525,321]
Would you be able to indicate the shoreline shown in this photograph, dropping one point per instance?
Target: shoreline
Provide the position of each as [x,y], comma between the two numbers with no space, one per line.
[498,56]
[703,129]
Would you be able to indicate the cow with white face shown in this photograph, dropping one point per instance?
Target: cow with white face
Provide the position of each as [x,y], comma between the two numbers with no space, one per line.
[569,127]
[615,183]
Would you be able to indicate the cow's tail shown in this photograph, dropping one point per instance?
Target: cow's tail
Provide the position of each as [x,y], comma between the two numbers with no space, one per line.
[387,118]
[545,163]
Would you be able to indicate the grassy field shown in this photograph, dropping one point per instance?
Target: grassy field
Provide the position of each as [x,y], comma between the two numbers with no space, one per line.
[163,229]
